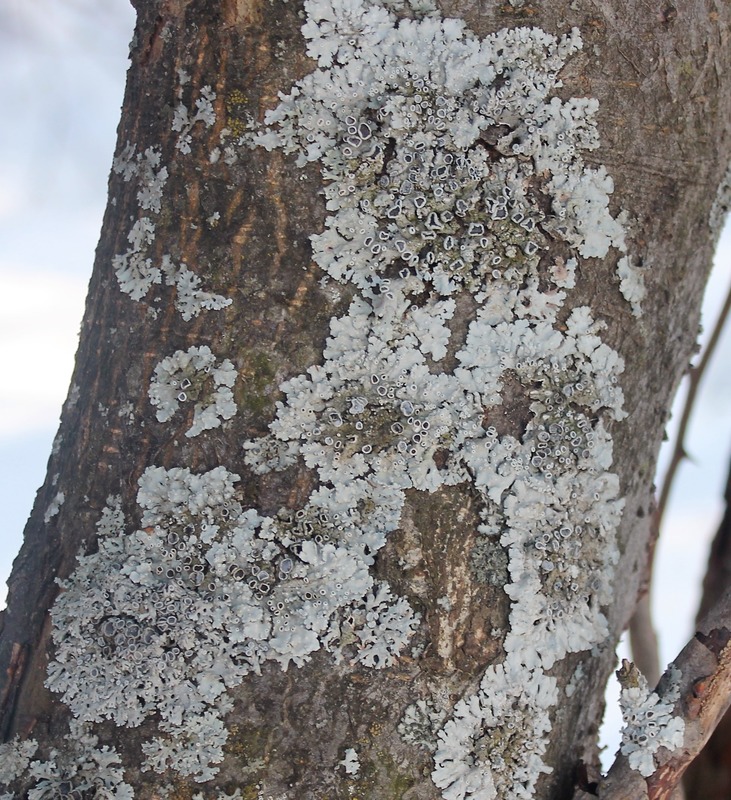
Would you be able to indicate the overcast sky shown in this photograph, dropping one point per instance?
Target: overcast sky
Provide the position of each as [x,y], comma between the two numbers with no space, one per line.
[62,67]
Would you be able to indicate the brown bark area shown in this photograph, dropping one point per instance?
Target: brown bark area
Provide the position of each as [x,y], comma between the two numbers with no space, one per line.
[664,121]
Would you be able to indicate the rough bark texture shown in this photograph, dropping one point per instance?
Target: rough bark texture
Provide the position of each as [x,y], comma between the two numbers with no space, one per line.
[661,74]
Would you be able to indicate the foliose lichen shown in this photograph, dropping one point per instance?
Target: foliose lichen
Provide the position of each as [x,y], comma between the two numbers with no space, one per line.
[494,743]
[351,762]
[183,122]
[165,619]
[15,756]
[649,720]
[135,269]
[54,507]
[78,768]
[449,167]
[194,377]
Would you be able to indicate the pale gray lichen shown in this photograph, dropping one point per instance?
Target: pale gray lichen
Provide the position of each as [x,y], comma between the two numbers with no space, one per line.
[112,516]
[383,625]
[631,284]
[196,745]
[350,762]
[74,395]
[649,721]
[424,205]
[137,274]
[375,412]
[150,176]
[54,507]
[126,411]
[135,269]
[194,377]
[489,561]
[448,167]
[183,122]
[492,747]
[190,299]
[578,677]
[78,768]
[15,756]
[420,724]
[164,619]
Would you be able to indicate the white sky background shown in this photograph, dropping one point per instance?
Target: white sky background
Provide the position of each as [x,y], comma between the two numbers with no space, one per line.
[62,68]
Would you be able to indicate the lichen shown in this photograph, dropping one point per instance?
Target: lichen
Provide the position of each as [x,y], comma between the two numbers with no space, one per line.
[183,122]
[194,377]
[145,167]
[631,284]
[649,720]
[350,762]
[136,270]
[78,768]
[166,618]
[494,743]
[15,756]
[419,724]
[54,507]
[448,168]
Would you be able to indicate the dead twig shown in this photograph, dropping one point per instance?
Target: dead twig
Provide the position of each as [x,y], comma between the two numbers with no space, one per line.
[695,375]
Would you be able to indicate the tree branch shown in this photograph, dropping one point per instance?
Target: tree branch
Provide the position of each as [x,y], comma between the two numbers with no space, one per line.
[709,777]
[643,639]
[695,375]
[705,694]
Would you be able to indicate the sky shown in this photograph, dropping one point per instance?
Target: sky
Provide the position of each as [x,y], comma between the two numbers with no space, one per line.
[62,69]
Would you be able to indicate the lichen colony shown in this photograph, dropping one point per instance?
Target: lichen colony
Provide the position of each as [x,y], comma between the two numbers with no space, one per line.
[450,168]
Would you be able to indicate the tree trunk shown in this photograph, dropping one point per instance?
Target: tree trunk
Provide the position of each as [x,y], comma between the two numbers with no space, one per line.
[383,578]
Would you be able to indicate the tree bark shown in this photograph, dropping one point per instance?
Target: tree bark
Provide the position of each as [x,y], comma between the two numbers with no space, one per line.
[240,217]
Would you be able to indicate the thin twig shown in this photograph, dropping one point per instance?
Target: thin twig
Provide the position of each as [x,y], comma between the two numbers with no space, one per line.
[643,641]
[695,375]
[643,637]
